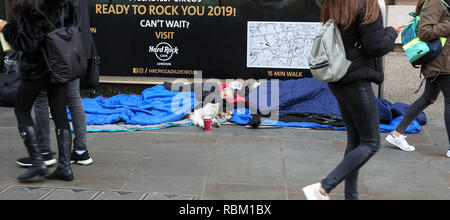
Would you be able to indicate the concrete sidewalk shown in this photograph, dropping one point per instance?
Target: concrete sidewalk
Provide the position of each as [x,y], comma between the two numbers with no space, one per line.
[230,163]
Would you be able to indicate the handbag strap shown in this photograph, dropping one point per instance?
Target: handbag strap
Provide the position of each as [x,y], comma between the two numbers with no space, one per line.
[61,17]
[94,47]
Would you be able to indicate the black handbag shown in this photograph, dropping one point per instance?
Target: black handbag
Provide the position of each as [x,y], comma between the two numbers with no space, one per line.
[64,52]
[92,77]
[9,79]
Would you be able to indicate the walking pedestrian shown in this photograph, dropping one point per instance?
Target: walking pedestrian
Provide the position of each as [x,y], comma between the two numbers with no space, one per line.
[434,23]
[26,33]
[365,40]
[80,154]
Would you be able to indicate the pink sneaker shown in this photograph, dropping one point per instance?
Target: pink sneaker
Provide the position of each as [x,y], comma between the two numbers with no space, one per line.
[312,192]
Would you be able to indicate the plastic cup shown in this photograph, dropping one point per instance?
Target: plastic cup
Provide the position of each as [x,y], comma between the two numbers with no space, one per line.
[207,121]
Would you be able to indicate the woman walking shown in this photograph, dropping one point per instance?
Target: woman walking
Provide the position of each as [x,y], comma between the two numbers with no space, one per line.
[434,23]
[27,33]
[365,39]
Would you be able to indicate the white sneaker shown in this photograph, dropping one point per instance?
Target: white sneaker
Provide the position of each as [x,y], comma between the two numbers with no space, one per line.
[448,152]
[400,142]
[312,192]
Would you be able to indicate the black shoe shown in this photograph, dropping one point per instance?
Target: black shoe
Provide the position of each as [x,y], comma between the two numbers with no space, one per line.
[83,159]
[48,160]
[32,173]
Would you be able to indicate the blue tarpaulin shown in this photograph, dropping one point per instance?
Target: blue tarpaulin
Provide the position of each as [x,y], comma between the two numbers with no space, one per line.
[154,106]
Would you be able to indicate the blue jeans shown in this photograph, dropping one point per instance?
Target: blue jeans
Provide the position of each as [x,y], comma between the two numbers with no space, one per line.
[359,109]
[76,109]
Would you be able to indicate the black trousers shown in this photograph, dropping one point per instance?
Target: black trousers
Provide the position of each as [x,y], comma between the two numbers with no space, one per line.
[27,93]
[359,109]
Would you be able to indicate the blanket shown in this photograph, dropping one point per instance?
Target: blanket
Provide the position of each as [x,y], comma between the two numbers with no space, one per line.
[155,106]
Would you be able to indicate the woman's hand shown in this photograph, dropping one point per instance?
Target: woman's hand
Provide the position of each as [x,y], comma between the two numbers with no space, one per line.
[2,24]
[399,28]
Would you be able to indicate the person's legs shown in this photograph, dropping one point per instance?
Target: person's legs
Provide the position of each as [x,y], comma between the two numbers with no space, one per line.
[361,104]
[428,97]
[57,96]
[80,154]
[353,141]
[42,120]
[26,94]
[444,85]
[42,123]
[78,115]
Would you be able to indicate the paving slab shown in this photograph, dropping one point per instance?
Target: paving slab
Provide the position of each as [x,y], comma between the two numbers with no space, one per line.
[25,193]
[446,178]
[439,164]
[230,168]
[248,145]
[314,134]
[120,195]
[90,184]
[244,192]
[108,166]
[439,135]
[141,180]
[178,161]
[185,138]
[167,196]
[404,180]
[391,153]
[299,145]
[9,132]
[72,194]
[122,141]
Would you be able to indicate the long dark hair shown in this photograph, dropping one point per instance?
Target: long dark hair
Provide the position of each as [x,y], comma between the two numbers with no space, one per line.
[344,12]
[420,6]
[18,5]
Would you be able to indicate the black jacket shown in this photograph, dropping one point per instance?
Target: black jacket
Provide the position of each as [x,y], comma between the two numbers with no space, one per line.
[27,34]
[364,44]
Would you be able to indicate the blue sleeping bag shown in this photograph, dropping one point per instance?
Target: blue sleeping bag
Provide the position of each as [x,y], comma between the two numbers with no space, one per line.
[389,111]
[294,96]
[154,106]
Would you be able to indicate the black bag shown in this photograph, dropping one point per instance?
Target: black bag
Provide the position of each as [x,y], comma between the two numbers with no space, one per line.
[92,77]
[64,53]
[9,79]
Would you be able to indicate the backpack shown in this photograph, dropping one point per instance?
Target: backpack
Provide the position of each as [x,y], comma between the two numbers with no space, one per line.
[420,52]
[328,61]
[64,52]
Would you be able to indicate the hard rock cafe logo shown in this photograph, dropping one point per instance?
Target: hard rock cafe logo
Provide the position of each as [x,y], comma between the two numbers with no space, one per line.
[163,51]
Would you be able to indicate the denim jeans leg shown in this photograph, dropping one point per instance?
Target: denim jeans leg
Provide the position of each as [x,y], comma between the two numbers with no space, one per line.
[353,141]
[42,121]
[78,115]
[443,83]
[428,97]
[360,102]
